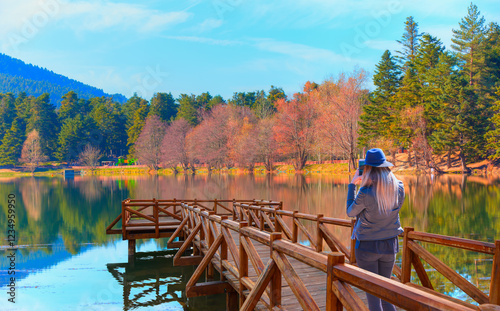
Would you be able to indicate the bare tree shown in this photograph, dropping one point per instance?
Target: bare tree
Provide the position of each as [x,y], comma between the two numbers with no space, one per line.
[174,145]
[90,157]
[341,104]
[31,153]
[148,146]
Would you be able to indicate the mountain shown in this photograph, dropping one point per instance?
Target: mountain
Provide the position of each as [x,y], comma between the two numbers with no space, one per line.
[17,76]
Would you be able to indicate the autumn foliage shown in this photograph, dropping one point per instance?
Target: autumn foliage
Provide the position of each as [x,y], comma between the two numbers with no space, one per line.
[319,122]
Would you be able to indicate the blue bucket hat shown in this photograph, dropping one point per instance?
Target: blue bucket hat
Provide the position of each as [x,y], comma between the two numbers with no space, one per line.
[376,157]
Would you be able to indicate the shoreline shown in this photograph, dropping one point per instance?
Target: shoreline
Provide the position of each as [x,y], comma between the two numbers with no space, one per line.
[477,169]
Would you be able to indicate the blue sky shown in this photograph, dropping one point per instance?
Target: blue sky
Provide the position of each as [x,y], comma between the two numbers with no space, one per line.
[220,46]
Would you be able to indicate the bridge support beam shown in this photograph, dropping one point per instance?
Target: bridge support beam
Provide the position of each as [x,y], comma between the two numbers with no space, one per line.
[131,251]
[232,301]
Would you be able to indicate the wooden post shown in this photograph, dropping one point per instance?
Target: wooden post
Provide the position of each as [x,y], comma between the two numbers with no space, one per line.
[223,254]
[211,239]
[353,243]
[333,303]
[215,206]
[295,228]
[495,276]
[319,235]
[275,283]
[243,264]
[234,211]
[407,258]
[124,222]
[157,218]
[131,251]
[277,225]
[232,301]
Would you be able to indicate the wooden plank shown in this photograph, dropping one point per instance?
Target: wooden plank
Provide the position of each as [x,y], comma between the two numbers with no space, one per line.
[304,230]
[449,273]
[187,243]
[259,288]
[204,263]
[495,276]
[433,292]
[208,288]
[334,243]
[394,292]
[471,245]
[188,260]
[301,253]
[407,257]
[350,300]
[299,289]
[177,232]
[233,249]
[268,221]
[284,227]
[422,274]
[253,255]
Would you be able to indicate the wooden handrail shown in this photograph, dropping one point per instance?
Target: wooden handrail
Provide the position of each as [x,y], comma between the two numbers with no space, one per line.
[471,245]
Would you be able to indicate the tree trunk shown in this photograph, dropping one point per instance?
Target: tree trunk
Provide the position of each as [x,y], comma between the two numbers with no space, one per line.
[465,169]
[449,159]
[409,157]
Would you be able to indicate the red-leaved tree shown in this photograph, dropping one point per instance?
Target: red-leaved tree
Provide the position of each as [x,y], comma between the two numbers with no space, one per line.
[148,146]
[174,146]
[294,127]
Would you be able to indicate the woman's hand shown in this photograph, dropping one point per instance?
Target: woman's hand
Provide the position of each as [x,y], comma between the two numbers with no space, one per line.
[356,179]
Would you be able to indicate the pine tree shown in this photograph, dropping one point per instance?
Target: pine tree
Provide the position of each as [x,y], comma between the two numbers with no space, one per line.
[468,41]
[163,105]
[409,42]
[135,130]
[70,138]
[12,143]
[43,118]
[7,112]
[379,114]
[130,107]
[493,135]
[188,108]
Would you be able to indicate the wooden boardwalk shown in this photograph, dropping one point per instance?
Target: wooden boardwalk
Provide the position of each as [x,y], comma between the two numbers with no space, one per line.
[250,250]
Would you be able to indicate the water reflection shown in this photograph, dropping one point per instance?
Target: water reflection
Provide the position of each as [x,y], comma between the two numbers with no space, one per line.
[58,218]
[153,280]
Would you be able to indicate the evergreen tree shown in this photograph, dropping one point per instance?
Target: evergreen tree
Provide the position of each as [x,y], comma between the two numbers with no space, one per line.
[7,112]
[135,130]
[111,132]
[493,135]
[69,139]
[216,100]
[43,119]
[409,42]
[130,107]
[468,41]
[381,111]
[69,106]
[163,105]
[12,143]
[188,108]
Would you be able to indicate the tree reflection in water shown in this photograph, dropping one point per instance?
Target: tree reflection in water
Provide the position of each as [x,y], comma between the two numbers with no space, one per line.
[78,210]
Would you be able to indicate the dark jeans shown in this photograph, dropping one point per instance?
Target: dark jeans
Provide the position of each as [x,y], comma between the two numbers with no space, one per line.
[380,264]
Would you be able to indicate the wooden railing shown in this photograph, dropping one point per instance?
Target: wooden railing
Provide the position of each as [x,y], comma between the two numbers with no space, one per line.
[275,220]
[413,253]
[211,235]
[206,227]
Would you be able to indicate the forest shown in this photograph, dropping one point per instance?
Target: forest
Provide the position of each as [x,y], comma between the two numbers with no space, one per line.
[17,76]
[427,101]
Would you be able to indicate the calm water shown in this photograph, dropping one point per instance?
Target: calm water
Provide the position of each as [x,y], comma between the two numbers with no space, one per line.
[66,261]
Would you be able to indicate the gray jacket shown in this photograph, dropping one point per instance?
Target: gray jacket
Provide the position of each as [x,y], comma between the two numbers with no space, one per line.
[371,224]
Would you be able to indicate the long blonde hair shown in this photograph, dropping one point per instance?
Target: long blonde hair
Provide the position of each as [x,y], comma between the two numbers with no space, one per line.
[385,185]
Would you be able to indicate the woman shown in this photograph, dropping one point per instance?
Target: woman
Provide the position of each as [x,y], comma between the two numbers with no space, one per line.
[377,227]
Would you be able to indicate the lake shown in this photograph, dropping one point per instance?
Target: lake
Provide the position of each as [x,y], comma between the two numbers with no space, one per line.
[65,260]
